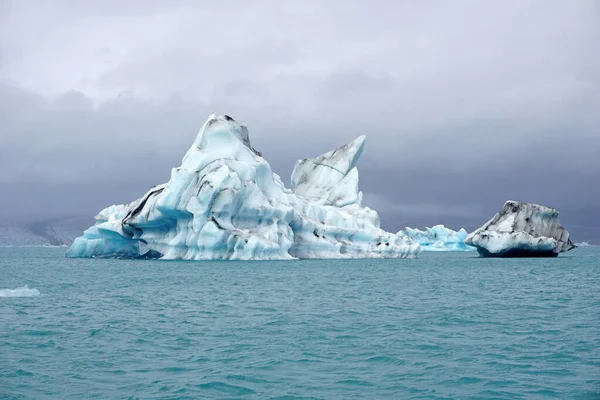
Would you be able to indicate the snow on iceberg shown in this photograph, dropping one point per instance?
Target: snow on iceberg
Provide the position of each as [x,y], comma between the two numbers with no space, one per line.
[438,238]
[521,230]
[225,202]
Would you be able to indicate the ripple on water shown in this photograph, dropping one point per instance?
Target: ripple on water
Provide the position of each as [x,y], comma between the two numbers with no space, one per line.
[39,332]
[175,370]
[441,326]
[19,373]
[225,388]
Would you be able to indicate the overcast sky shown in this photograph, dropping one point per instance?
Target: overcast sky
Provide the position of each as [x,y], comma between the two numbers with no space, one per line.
[465,104]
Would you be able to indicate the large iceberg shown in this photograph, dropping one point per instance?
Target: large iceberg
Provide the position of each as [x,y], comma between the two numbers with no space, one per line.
[438,238]
[522,230]
[225,202]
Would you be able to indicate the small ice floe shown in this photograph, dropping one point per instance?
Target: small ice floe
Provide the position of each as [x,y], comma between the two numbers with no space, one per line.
[23,291]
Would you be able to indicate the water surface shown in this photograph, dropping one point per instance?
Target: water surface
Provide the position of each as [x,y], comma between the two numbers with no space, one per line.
[446,325]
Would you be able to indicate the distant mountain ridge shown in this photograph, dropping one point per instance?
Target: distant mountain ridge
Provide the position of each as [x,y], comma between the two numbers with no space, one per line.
[51,232]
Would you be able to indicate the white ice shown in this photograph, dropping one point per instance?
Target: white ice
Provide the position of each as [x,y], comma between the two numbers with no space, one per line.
[521,227]
[225,202]
[438,238]
[23,291]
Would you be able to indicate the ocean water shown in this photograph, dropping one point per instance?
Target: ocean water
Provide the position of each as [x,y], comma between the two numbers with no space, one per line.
[446,325]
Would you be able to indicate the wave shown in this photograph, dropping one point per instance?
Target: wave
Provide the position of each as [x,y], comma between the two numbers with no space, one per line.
[19,292]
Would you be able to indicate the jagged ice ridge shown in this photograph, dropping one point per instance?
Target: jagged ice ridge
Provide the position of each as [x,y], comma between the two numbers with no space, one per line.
[438,238]
[225,202]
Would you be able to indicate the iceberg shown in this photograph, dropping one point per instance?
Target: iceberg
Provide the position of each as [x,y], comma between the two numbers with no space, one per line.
[521,230]
[438,238]
[225,202]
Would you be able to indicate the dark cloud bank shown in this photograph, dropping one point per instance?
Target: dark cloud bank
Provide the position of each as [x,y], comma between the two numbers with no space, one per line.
[463,106]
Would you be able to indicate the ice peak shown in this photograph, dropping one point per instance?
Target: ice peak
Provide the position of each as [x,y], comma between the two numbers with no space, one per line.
[345,157]
[331,178]
[513,206]
[219,129]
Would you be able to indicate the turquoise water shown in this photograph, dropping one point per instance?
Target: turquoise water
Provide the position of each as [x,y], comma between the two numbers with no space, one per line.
[446,325]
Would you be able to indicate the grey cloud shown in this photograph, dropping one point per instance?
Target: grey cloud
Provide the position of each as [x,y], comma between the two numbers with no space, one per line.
[465,104]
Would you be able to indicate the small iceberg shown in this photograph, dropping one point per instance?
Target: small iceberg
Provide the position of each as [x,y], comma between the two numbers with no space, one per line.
[522,230]
[438,238]
[23,291]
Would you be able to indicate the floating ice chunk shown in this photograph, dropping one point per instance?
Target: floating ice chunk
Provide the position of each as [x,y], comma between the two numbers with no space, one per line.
[438,238]
[23,291]
[522,230]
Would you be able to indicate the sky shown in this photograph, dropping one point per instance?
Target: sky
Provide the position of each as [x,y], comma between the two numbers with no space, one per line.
[465,104]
